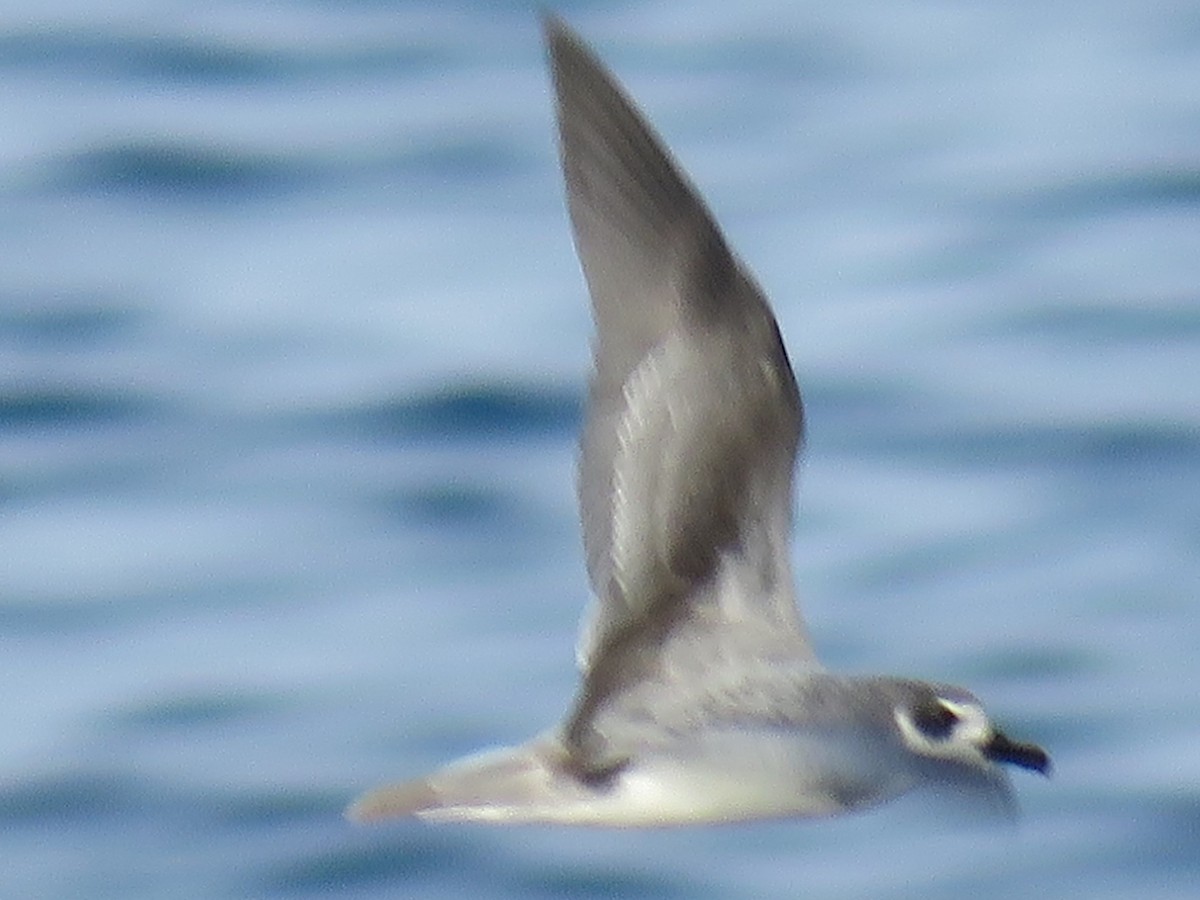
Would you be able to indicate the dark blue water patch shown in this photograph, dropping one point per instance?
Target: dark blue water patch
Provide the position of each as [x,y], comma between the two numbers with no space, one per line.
[156,59]
[586,883]
[45,408]
[25,618]
[1156,838]
[1171,829]
[57,321]
[171,170]
[1031,663]
[194,60]
[1111,326]
[60,616]
[276,808]
[85,475]
[55,619]
[1101,444]
[68,797]
[747,60]
[899,572]
[452,505]
[194,710]
[412,858]
[468,411]
[460,162]
[1151,444]
[117,803]
[1151,188]
[843,401]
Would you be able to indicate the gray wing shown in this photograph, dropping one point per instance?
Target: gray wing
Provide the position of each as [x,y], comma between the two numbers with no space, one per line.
[694,418]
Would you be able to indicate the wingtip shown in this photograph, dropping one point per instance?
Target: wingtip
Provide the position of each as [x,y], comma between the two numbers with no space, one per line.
[552,22]
[561,39]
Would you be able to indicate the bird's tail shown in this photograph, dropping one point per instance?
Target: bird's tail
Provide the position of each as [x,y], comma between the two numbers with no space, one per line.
[516,784]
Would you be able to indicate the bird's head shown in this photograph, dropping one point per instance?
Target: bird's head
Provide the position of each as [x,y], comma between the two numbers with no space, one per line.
[949,724]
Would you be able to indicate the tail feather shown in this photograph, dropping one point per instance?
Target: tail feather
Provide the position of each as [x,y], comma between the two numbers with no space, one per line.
[515,784]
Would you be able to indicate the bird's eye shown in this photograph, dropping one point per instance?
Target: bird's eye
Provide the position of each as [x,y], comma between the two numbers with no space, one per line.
[934,719]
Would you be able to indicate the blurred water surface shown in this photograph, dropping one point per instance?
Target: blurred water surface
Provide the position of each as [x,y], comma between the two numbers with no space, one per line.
[292,353]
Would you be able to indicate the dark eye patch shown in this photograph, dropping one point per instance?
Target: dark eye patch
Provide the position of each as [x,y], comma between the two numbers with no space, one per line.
[934,719]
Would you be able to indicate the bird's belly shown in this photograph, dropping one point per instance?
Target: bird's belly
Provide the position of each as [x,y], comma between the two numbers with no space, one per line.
[737,776]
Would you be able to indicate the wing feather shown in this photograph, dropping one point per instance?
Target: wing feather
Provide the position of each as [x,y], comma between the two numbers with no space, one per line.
[694,418]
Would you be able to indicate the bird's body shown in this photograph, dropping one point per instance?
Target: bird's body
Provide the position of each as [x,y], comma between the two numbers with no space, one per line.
[701,698]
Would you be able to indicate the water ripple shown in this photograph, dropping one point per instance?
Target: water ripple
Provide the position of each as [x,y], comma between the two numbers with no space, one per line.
[470,411]
[177,169]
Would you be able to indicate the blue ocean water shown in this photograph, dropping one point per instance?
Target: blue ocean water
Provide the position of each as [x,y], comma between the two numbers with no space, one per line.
[292,353]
